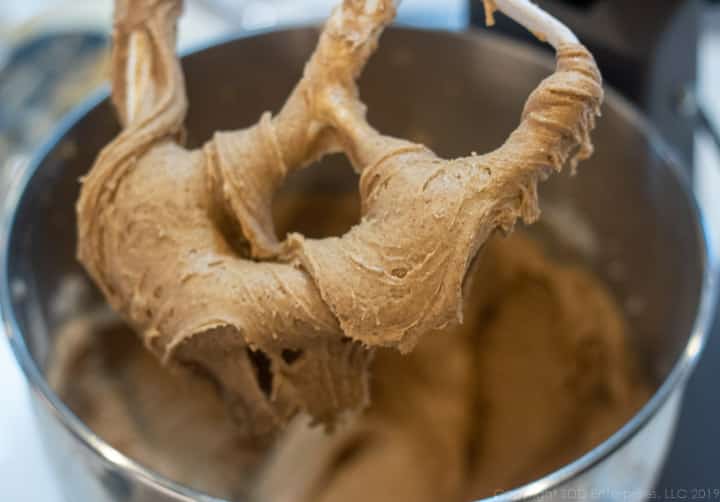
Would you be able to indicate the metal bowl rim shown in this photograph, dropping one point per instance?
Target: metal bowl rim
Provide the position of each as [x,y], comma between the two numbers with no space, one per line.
[113,458]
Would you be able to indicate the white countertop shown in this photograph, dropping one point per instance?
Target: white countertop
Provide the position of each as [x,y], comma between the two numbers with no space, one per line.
[24,472]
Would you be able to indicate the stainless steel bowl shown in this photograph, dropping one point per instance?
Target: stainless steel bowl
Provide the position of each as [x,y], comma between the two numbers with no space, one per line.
[457,92]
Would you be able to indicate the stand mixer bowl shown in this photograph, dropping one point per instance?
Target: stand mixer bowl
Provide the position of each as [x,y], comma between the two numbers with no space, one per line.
[457,93]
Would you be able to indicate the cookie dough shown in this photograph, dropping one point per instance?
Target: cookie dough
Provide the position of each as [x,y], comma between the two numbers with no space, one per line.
[540,372]
[183,246]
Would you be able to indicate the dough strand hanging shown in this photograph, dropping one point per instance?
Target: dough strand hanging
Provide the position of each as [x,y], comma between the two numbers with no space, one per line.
[182,242]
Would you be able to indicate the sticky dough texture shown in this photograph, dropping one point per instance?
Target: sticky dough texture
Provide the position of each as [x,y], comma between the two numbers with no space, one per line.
[182,243]
[542,364]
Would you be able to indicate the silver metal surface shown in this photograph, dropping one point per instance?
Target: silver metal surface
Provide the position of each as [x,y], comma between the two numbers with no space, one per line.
[457,93]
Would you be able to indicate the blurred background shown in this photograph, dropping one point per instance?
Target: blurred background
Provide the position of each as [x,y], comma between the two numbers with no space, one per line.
[662,54]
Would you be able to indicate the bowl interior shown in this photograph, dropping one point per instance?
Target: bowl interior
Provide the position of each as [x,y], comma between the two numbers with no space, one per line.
[627,214]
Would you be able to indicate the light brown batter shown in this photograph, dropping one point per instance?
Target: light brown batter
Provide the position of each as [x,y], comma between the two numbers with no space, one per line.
[175,424]
[184,247]
[538,374]
[182,243]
